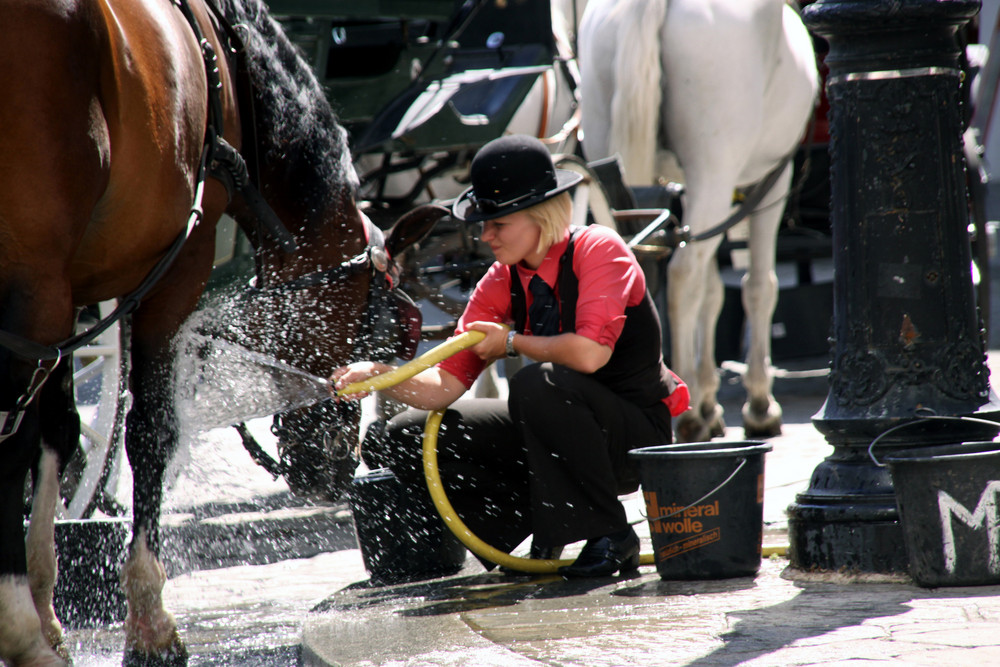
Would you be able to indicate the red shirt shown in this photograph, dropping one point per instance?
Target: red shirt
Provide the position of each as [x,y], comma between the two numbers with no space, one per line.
[610,280]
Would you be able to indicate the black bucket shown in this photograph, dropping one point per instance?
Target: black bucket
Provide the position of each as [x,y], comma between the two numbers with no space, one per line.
[705,505]
[401,538]
[949,506]
[90,552]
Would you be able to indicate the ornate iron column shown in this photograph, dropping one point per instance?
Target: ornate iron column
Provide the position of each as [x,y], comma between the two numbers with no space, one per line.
[907,338]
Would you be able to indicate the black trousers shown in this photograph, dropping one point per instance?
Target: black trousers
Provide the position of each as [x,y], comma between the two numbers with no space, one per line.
[550,461]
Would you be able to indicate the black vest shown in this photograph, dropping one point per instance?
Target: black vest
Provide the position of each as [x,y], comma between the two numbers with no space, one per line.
[635,370]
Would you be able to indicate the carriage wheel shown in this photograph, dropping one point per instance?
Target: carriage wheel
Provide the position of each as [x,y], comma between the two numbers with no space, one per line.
[589,195]
[94,468]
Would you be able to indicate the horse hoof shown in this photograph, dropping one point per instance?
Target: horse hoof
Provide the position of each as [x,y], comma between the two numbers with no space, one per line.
[689,432]
[766,425]
[693,428]
[755,433]
[62,650]
[175,655]
[717,428]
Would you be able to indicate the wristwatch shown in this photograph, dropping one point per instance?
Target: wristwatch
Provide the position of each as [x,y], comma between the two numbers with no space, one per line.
[511,352]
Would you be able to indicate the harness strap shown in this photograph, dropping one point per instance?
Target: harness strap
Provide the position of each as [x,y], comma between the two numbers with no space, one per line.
[10,420]
[754,196]
[229,167]
[211,67]
[374,257]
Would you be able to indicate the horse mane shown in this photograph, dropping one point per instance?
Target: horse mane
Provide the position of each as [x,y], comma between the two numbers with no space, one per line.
[295,124]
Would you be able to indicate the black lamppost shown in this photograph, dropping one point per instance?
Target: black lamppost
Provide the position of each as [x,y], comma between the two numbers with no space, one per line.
[907,338]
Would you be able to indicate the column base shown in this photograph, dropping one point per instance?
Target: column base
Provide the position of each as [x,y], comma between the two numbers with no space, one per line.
[845,536]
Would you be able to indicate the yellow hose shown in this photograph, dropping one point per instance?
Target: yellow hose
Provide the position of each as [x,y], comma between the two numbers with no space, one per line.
[431,473]
[456,525]
[411,368]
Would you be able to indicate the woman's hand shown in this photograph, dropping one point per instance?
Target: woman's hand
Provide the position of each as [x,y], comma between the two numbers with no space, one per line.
[494,346]
[356,372]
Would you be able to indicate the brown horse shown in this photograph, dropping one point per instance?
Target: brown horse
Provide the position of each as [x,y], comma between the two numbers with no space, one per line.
[106,111]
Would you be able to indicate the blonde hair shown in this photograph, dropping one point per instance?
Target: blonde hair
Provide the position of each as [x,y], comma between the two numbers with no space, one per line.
[552,217]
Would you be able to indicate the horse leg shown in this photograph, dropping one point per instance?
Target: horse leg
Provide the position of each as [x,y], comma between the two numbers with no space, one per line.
[694,300]
[708,372]
[761,412]
[29,629]
[788,101]
[60,431]
[694,287]
[23,640]
[151,438]
[151,635]
[41,551]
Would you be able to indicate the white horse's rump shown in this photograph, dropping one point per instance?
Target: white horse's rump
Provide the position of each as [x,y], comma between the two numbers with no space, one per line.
[728,87]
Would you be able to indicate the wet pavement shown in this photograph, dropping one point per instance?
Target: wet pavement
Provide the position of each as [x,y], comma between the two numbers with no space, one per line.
[782,616]
[771,619]
[257,577]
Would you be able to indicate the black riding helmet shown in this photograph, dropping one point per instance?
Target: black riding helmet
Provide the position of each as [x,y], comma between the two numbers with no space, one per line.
[510,174]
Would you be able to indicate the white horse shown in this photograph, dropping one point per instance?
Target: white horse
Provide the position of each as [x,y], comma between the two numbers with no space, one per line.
[728,87]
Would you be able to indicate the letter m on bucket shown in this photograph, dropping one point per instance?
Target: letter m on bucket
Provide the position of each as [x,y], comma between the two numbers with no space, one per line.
[986,512]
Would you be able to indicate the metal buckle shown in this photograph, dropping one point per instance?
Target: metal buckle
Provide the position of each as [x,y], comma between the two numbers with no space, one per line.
[7,428]
[380,259]
[9,424]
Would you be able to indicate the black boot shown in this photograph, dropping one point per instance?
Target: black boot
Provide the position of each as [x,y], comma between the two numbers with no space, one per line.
[603,556]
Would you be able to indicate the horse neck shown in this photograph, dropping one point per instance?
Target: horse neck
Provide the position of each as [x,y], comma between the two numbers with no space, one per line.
[299,152]
[324,239]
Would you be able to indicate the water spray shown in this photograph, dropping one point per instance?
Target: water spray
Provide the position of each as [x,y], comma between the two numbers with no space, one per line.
[229,384]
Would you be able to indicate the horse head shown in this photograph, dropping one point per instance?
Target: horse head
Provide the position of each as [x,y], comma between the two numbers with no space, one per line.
[334,297]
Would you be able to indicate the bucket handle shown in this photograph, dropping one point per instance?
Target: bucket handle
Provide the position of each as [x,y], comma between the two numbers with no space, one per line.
[923,415]
[705,497]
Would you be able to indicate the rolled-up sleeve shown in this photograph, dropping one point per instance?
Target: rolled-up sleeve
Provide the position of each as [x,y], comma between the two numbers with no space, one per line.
[489,302]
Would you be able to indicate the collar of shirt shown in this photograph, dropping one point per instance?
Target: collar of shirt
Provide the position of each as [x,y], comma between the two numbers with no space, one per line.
[549,268]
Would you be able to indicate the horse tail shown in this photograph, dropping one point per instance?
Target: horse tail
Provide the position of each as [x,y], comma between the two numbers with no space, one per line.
[635,105]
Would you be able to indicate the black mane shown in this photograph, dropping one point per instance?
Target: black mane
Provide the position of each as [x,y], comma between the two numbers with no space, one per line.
[295,124]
